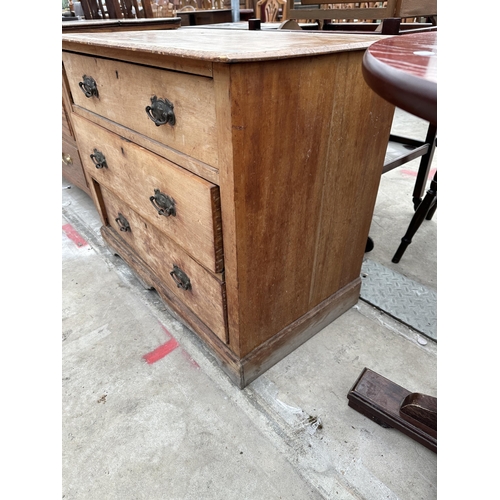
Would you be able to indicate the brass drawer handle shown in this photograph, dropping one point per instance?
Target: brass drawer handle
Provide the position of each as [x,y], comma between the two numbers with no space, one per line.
[163,203]
[161,111]
[66,158]
[181,278]
[89,86]
[123,223]
[99,159]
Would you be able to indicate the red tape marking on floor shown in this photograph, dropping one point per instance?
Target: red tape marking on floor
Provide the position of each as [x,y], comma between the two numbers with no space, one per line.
[413,173]
[162,351]
[190,359]
[167,348]
[74,235]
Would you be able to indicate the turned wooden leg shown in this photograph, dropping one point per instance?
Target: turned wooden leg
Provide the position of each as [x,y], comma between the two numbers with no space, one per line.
[427,206]
[431,211]
[425,166]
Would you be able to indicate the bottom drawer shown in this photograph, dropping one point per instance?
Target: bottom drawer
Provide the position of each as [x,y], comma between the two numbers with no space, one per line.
[196,287]
[72,169]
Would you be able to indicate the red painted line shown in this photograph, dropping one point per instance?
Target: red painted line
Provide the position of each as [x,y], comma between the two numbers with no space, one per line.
[413,173]
[74,235]
[184,353]
[167,348]
[190,359]
[161,352]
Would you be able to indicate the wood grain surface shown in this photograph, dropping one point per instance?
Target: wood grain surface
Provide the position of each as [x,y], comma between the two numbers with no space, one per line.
[297,190]
[218,45]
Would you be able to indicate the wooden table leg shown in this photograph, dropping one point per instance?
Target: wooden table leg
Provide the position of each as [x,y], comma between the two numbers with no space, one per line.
[425,210]
[390,405]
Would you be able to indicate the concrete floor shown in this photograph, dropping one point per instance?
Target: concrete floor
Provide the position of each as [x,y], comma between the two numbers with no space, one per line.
[178,429]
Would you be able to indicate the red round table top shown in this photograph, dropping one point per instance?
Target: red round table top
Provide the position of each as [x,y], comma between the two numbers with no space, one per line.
[403,70]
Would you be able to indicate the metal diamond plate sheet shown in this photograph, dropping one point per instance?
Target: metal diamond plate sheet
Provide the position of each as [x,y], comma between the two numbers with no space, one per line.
[402,298]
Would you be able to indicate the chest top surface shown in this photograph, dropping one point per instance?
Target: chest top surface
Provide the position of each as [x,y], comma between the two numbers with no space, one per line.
[222,45]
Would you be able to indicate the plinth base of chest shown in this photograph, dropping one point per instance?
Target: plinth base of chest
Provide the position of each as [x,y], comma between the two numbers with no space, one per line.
[242,371]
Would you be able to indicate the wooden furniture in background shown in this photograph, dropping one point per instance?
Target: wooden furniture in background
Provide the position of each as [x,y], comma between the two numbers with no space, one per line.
[271,10]
[401,149]
[102,25]
[117,9]
[192,17]
[402,70]
[247,210]
[367,14]
[127,9]
[191,12]
[338,10]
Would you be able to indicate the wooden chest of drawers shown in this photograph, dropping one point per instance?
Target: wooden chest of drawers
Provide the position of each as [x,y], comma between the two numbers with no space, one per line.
[236,172]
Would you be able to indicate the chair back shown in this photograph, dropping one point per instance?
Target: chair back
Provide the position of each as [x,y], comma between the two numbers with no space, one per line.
[416,8]
[117,9]
[339,10]
[268,10]
[212,4]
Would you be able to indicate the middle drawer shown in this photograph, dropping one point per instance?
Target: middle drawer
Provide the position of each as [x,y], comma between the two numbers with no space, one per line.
[180,204]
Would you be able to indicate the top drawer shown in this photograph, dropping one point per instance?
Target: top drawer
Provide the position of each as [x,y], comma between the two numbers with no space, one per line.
[125,91]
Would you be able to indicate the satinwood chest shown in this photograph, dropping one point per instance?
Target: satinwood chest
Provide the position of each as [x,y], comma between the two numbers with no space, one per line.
[236,173]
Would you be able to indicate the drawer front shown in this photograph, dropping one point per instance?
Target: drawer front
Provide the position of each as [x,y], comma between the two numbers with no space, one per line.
[72,169]
[125,91]
[193,221]
[204,294]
